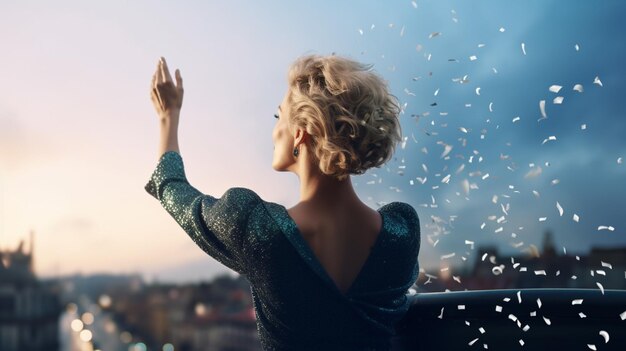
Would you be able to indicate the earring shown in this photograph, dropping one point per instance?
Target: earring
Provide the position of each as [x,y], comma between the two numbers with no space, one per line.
[296,151]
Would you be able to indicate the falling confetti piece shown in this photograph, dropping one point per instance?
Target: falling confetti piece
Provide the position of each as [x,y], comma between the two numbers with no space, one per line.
[539,302]
[521,342]
[596,80]
[608,265]
[583,126]
[604,227]
[622,315]
[547,320]
[540,272]
[519,297]
[461,307]
[577,302]
[619,161]
[558,207]
[550,138]
[605,335]
[542,219]
[542,108]
[558,100]
[524,48]
[491,107]
[441,314]
[499,309]
[433,34]
[502,29]
[472,342]
[592,347]
[361,31]
[601,287]
[478,91]
[575,218]
[555,88]
[555,181]
[516,119]
[414,4]
[576,47]
[472,58]
[578,88]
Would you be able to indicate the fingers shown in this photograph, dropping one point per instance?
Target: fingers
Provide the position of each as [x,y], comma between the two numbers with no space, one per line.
[165,72]
[179,80]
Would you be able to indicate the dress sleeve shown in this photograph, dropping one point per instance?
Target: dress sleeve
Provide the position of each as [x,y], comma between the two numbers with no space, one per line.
[217,226]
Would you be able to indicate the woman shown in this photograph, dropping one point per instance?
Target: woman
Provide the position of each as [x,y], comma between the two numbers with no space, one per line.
[329,273]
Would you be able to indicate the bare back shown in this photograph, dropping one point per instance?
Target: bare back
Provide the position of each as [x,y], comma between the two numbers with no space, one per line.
[342,242]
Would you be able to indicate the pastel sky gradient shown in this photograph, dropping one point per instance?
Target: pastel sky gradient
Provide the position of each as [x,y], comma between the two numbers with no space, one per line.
[79,136]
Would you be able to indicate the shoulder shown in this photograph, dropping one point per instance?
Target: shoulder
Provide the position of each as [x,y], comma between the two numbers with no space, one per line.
[242,197]
[405,215]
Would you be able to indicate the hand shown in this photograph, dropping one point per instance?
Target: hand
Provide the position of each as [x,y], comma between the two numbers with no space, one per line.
[166,97]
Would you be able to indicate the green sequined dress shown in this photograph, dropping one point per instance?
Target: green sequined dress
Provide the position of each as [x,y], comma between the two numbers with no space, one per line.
[297,304]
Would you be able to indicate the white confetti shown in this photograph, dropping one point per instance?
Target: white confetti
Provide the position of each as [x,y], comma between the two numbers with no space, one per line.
[607,265]
[478,91]
[596,80]
[619,161]
[519,297]
[516,119]
[547,320]
[578,88]
[601,287]
[550,138]
[555,88]
[502,29]
[577,302]
[604,227]
[414,4]
[472,342]
[524,48]
[583,126]
[472,58]
[485,176]
[558,100]
[448,256]
[461,307]
[542,219]
[441,314]
[576,218]
[605,335]
[542,108]
[499,309]
[555,181]
[623,315]
[436,92]
[576,47]
[463,130]
[592,347]
[582,315]
[491,107]
[433,34]
[540,272]
[361,31]
[446,179]
[521,342]
[558,207]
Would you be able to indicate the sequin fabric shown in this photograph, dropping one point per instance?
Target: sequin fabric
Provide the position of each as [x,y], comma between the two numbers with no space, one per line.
[297,304]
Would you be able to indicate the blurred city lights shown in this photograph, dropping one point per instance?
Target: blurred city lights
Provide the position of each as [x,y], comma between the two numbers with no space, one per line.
[87,318]
[85,335]
[126,337]
[77,325]
[104,301]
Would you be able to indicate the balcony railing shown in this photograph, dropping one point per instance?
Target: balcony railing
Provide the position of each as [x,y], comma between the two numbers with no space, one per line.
[511,319]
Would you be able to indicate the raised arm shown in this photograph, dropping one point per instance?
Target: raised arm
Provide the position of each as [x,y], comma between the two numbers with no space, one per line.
[167,99]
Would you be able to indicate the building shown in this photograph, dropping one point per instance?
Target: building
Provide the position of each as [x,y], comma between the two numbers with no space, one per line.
[29,313]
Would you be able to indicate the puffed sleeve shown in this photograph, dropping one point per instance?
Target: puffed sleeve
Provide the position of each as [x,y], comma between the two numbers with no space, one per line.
[217,226]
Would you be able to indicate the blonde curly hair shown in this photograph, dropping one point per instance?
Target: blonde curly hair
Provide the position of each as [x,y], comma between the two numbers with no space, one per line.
[347,110]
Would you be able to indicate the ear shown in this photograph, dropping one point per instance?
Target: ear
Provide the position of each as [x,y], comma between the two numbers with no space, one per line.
[299,137]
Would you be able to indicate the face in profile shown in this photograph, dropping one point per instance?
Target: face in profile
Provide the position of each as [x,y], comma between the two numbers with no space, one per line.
[282,139]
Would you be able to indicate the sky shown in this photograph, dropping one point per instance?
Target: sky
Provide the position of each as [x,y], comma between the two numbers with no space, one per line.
[79,136]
